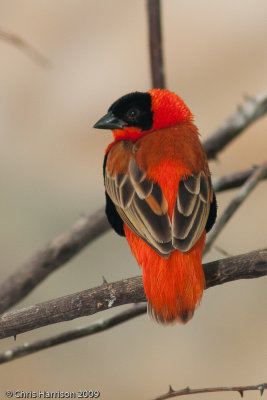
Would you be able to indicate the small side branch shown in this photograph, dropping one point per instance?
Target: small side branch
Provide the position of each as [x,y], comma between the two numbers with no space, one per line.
[233,181]
[155,43]
[97,326]
[252,109]
[187,391]
[18,42]
[241,195]
[88,302]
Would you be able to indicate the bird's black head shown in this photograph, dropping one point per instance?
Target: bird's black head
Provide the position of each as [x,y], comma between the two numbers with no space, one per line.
[131,110]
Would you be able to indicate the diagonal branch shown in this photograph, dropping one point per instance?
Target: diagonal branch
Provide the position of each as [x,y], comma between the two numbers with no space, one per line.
[242,194]
[91,301]
[233,181]
[97,326]
[53,255]
[28,49]
[252,109]
[187,391]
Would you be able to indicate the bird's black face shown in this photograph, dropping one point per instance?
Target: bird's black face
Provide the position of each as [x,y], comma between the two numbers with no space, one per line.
[131,110]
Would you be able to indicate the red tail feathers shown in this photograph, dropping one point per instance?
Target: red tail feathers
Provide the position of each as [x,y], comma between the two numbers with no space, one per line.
[174,285]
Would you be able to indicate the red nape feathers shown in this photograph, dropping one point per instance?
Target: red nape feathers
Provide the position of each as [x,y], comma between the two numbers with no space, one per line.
[168,108]
[159,195]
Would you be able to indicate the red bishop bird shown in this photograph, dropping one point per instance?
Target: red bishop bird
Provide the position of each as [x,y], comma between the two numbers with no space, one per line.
[159,196]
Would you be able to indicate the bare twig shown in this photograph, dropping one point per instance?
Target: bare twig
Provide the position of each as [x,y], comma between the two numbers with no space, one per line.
[28,49]
[155,43]
[91,301]
[187,391]
[233,181]
[252,109]
[95,327]
[56,253]
[241,195]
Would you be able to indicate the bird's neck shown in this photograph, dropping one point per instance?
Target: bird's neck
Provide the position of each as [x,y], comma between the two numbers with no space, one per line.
[131,134]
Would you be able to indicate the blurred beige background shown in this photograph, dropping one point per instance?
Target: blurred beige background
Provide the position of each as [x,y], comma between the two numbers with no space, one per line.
[51,173]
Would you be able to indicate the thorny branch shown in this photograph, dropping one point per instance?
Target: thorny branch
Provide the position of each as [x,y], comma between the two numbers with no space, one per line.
[212,275]
[91,301]
[187,391]
[99,325]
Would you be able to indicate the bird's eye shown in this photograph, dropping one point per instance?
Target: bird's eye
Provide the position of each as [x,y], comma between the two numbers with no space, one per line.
[133,114]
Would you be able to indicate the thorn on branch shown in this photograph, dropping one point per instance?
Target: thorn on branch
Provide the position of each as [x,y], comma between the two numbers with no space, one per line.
[171,389]
[77,333]
[248,97]
[188,391]
[131,290]
[222,251]
[261,389]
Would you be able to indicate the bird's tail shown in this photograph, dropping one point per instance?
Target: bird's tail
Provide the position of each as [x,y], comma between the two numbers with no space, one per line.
[174,286]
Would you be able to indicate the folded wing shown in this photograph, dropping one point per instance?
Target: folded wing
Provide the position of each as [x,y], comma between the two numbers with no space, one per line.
[141,204]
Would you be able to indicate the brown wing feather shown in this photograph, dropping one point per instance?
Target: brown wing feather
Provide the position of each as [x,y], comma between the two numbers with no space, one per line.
[191,211]
[140,203]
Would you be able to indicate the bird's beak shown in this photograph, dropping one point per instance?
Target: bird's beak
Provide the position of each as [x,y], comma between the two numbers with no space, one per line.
[109,121]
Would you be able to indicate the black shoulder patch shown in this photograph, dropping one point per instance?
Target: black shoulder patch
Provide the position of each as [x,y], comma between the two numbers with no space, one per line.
[212,214]
[112,215]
